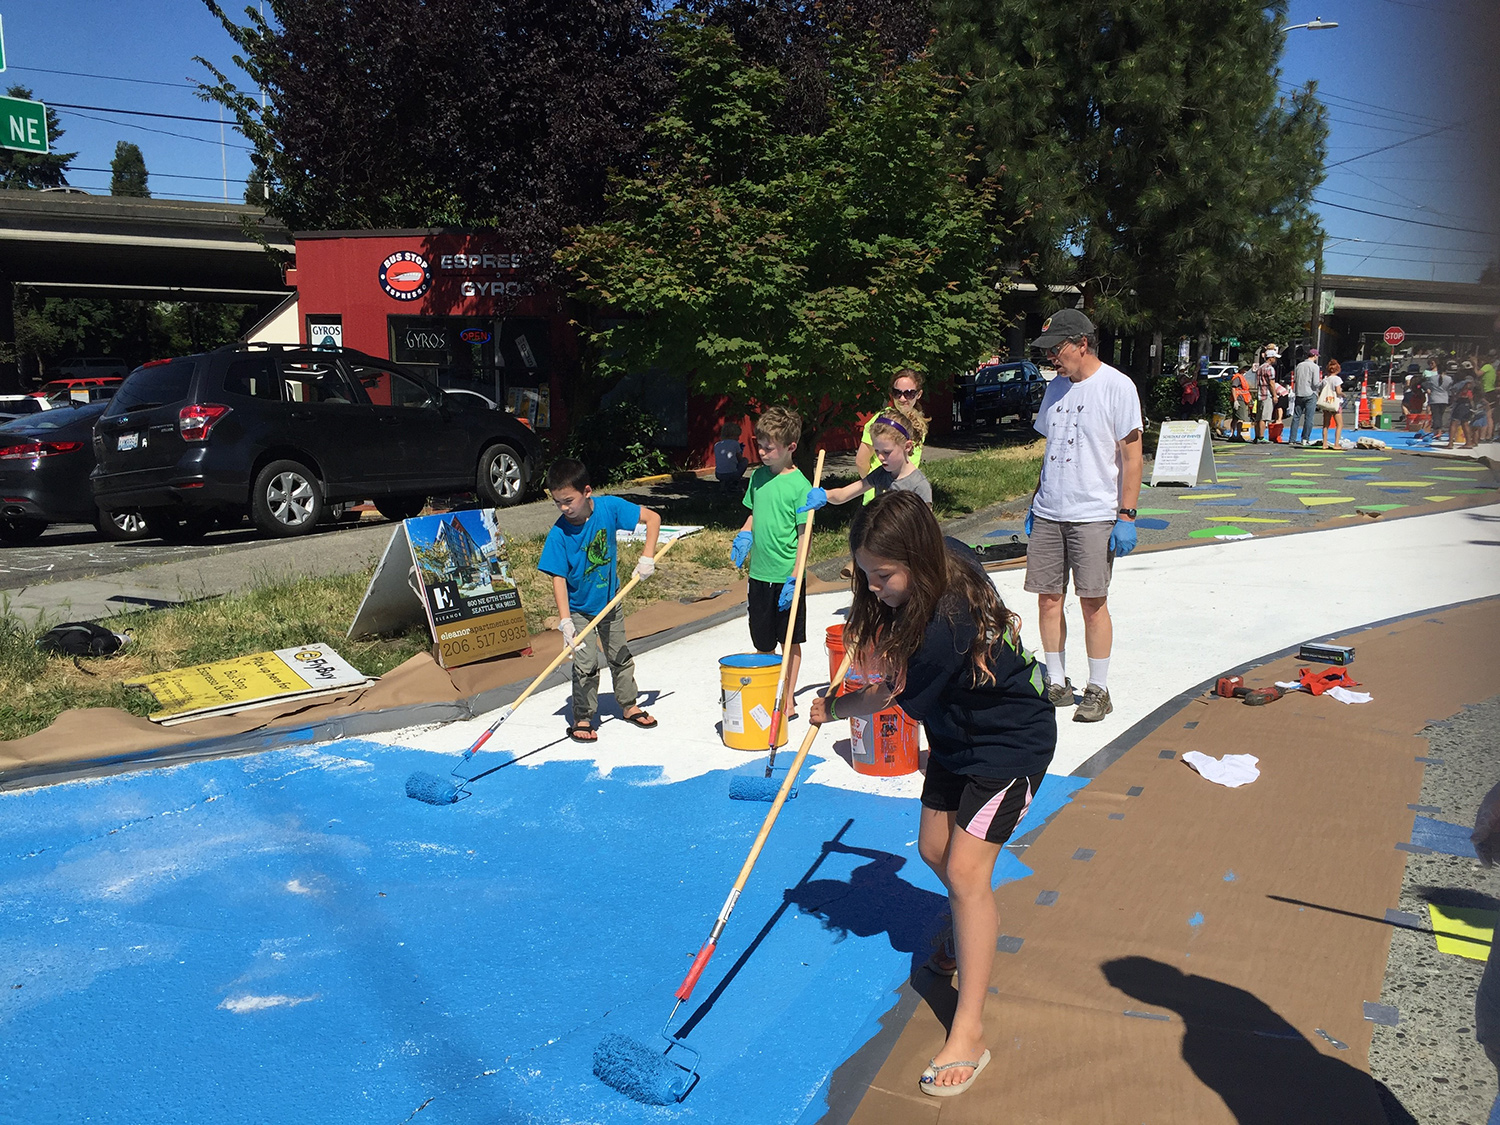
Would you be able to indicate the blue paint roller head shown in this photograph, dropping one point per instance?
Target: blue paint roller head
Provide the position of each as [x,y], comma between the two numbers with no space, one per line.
[755,783]
[432,789]
[642,1072]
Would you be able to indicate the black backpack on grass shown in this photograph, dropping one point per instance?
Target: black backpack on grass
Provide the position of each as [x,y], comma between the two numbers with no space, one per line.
[80,638]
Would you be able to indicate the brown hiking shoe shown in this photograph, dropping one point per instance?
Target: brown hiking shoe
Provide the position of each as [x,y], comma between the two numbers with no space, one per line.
[1093,706]
[1060,695]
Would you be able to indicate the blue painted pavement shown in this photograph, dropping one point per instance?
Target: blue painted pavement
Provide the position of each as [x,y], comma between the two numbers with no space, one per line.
[286,938]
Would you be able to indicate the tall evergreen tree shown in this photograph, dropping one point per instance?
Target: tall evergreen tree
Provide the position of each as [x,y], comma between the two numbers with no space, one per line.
[30,170]
[485,113]
[257,190]
[1149,154]
[128,171]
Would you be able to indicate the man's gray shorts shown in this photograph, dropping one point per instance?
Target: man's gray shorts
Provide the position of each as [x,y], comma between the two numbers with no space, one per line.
[1267,407]
[1057,548]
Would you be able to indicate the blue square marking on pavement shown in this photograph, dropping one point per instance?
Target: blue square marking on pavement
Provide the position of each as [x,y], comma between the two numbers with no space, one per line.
[1166,754]
[1046,898]
[1441,836]
[1005,943]
[1190,726]
[1116,816]
[1151,523]
[1083,855]
[1135,791]
[1231,502]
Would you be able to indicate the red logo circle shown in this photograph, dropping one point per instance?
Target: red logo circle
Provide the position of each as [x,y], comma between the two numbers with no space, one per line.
[405,275]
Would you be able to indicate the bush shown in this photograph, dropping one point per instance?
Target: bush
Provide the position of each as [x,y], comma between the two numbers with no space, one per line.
[1162,400]
[618,442]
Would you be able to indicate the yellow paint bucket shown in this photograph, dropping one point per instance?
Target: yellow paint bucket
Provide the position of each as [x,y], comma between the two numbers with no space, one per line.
[749,697]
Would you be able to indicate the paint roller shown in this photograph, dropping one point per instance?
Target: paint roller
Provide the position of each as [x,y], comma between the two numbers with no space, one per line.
[647,1073]
[434,790]
[751,783]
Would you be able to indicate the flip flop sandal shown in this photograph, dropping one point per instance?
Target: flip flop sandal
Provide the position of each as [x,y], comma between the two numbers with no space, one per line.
[575,730]
[641,719]
[928,1081]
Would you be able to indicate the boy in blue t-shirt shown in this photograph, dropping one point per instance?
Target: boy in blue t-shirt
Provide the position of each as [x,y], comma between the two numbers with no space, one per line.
[580,555]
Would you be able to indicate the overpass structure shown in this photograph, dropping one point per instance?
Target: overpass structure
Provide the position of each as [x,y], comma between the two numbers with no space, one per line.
[1446,314]
[68,244]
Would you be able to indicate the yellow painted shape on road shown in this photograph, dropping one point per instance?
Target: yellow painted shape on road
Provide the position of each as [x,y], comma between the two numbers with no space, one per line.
[1310,474]
[1314,501]
[1467,931]
[1209,496]
[1437,499]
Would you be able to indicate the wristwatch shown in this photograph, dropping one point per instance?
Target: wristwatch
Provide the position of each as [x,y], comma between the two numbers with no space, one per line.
[1127,512]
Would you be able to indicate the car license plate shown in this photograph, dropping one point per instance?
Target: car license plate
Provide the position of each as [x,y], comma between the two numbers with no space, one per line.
[127,441]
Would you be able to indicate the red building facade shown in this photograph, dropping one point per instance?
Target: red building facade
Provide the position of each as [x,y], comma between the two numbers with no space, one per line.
[450,305]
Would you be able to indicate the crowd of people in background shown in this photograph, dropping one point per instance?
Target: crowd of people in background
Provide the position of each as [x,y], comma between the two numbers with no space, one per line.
[1450,396]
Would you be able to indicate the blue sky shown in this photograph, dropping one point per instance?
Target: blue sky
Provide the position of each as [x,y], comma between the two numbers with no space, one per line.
[1393,69]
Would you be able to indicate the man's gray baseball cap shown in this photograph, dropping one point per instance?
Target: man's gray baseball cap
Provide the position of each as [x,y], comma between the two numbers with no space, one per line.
[1063,325]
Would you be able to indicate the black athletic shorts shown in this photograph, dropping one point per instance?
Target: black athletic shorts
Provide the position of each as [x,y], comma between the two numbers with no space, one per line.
[987,807]
[767,623]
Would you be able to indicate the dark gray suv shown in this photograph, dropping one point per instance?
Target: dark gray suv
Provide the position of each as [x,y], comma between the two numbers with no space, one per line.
[285,433]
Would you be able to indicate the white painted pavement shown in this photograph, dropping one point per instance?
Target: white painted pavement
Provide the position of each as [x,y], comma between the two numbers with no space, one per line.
[1181,617]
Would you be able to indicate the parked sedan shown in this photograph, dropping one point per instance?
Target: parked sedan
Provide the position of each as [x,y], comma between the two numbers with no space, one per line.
[283,433]
[45,462]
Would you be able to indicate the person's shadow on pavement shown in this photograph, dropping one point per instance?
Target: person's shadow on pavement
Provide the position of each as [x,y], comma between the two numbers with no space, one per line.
[1266,1071]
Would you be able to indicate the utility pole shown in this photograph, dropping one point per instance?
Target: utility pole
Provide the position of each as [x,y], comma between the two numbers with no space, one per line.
[1317,297]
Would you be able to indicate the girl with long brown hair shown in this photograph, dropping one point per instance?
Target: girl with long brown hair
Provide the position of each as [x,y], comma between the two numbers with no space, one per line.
[926,617]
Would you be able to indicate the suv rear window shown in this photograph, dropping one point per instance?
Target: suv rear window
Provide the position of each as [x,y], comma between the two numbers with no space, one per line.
[253,376]
[162,385]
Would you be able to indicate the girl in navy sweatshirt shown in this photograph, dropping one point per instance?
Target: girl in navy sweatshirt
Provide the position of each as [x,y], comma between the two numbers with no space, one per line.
[926,617]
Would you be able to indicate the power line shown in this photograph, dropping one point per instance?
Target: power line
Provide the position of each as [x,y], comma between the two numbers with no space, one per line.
[1386,148]
[163,175]
[106,77]
[163,132]
[1399,219]
[1391,203]
[135,112]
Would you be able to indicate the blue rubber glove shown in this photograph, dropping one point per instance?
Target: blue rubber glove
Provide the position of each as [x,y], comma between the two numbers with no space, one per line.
[1122,538]
[816,498]
[1030,519]
[739,550]
[787,592]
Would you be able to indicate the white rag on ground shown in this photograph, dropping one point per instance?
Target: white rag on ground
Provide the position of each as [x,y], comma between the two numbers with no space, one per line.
[1233,770]
[1342,694]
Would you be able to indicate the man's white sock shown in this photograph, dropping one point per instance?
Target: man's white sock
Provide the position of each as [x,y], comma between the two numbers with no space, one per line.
[1057,672]
[1098,671]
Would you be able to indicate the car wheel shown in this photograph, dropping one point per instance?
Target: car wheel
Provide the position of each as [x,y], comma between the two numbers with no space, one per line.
[121,526]
[170,527]
[502,481]
[397,508]
[287,499]
[21,533]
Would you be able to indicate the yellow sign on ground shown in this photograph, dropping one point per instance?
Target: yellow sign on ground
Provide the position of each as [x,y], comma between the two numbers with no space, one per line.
[257,680]
[1465,930]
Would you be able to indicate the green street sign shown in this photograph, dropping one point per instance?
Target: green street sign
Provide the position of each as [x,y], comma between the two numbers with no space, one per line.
[23,125]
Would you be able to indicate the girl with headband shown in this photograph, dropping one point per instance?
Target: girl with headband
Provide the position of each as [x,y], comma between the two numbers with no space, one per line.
[894,434]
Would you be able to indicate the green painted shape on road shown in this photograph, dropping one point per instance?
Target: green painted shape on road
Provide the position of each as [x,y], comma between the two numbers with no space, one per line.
[1216,532]
[1380,507]
[23,125]
[1314,501]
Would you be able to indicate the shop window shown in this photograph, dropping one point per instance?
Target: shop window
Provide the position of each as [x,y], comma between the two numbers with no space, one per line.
[253,376]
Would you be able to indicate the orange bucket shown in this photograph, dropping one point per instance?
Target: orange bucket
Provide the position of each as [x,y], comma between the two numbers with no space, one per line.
[885,744]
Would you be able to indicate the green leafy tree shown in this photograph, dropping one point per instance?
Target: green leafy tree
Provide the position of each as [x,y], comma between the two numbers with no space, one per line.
[257,189]
[772,265]
[128,171]
[31,170]
[1150,157]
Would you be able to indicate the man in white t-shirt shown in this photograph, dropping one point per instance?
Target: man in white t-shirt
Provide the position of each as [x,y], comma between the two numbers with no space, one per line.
[1082,515]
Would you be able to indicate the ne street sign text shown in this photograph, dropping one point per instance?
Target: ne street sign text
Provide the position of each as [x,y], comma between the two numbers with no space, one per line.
[23,125]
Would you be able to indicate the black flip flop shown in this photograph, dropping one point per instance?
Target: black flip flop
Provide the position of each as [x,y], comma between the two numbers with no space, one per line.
[641,719]
[575,730]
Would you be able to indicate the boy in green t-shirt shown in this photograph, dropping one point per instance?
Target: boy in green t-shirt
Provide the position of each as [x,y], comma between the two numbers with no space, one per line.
[769,539]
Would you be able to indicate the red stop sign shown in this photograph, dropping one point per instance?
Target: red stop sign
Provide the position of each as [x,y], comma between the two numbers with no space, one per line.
[1394,335]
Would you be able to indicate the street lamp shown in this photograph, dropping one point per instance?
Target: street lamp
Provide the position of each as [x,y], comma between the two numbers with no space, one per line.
[1319,24]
